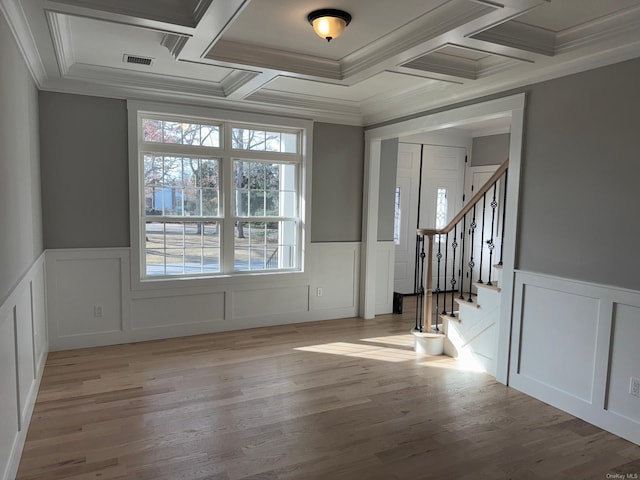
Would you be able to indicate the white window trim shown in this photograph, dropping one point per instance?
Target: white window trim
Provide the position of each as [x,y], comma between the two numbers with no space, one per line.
[248,119]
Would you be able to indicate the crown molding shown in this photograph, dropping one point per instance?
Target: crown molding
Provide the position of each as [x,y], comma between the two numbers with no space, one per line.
[130,79]
[246,54]
[17,21]
[235,80]
[61,37]
[174,43]
[305,102]
[321,114]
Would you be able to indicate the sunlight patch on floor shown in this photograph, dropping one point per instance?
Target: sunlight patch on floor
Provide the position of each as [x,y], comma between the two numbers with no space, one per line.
[466,363]
[404,351]
[400,340]
[362,351]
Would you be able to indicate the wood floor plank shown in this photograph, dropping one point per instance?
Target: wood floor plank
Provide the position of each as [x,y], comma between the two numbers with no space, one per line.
[345,399]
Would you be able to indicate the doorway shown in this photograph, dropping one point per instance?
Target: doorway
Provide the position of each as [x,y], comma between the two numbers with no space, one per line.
[508,107]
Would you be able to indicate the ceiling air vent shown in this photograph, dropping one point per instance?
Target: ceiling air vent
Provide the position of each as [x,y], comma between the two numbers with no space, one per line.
[137,59]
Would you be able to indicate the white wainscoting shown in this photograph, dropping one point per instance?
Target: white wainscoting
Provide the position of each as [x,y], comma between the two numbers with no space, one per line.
[23,352]
[80,280]
[385,264]
[575,345]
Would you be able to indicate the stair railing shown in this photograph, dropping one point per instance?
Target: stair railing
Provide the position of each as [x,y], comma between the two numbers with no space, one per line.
[458,225]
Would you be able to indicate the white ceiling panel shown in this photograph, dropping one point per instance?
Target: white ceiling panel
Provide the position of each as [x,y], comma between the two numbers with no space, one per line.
[559,15]
[283,25]
[183,12]
[463,53]
[104,44]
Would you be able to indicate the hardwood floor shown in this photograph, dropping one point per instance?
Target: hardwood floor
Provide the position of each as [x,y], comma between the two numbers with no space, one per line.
[344,399]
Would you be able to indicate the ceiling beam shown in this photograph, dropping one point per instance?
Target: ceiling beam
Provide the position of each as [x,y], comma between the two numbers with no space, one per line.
[215,21]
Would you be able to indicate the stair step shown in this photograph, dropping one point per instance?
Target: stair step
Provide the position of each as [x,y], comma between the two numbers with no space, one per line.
[449,318]
[493,287]
[497,266]
[463,301]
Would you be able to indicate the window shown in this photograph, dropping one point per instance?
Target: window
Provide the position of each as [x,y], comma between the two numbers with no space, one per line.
[441,211]
[217,197]
[396,218]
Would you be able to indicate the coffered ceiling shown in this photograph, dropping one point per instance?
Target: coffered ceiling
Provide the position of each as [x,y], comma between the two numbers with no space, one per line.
[395,58]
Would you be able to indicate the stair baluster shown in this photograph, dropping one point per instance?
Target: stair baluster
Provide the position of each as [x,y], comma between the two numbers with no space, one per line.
[446,261]
[463,236]
[454,245]
[472,234]
[504,213]
[420,289]
[484,209]
[491,244]
[438,259]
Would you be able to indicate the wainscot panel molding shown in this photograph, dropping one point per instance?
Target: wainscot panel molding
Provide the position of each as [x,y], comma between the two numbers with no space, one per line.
[575,346]
[87,297]
[385,259]
[23,352]
[90,300]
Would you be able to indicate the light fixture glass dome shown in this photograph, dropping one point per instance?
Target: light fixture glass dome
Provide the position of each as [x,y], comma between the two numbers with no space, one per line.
[329,23]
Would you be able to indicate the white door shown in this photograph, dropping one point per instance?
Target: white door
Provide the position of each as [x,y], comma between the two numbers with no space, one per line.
[406,221]
[485,215]
[441,199]
[440,196]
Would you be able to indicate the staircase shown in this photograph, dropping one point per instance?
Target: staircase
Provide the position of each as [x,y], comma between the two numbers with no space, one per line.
[465,306]
[471,333]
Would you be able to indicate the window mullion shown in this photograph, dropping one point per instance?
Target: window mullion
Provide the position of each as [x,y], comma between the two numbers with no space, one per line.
[227,260]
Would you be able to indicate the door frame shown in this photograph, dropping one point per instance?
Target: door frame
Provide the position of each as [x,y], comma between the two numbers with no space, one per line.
[512,107]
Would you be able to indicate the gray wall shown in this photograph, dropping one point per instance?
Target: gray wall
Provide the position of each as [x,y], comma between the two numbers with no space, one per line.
[387,185]
[581,175]
[85,186]
[20,206]
[336,196]
[490,150]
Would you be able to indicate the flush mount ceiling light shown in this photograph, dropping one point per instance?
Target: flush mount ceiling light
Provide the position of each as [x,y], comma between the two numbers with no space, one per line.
[329,23]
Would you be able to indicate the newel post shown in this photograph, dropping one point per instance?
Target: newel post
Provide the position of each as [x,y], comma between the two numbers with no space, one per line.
[425,341]
[428,304]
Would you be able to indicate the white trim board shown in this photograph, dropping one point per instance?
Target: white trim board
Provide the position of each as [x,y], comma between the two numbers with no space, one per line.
[23,353]
[574,346]
[384,279]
